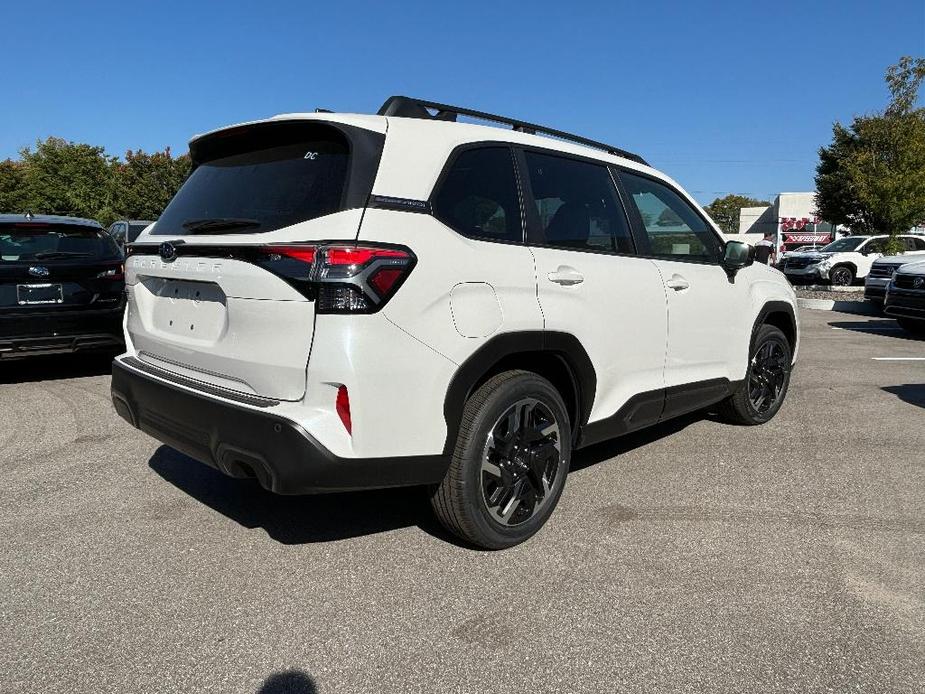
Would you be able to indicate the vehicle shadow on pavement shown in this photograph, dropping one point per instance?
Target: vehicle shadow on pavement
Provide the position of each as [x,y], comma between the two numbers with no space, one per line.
[887,328]
[600,452]
[56,366]
[913,393]
[294,520]
[288,682]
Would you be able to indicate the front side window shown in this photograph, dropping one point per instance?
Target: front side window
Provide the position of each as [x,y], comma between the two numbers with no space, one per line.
[478,195]
[873,246]
[577,204]
[673,227]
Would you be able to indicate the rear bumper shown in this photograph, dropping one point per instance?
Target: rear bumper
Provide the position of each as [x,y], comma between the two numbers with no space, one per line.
[244,441]
[57,332]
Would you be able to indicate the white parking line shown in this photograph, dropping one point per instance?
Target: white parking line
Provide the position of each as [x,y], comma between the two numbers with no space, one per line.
[898,358]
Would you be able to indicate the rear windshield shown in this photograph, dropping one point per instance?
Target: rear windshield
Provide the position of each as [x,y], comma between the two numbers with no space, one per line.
[258,179]
[39,242]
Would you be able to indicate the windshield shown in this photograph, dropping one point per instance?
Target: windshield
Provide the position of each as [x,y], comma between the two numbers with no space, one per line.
[258,181]
[32,242]
[849,243]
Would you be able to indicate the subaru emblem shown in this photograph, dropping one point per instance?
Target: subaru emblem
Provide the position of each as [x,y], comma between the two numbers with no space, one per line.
[167,251]
[39,271]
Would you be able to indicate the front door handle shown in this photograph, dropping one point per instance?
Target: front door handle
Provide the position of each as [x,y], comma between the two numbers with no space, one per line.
[566,276]
[678,283]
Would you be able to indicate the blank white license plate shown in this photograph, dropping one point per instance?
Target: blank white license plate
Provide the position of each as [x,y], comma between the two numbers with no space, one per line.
[28,294]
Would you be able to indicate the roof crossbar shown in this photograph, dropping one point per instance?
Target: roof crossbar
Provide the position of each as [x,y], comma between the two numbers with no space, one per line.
[408,107]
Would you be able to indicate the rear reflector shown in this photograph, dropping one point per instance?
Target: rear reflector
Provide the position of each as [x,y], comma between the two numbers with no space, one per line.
[342,405]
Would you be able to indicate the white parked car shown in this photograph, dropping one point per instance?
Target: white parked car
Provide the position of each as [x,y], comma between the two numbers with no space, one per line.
[844,260]
[881,272]
[336,302]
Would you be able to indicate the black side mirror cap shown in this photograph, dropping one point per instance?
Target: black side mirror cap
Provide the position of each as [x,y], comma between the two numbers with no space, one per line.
[737,255]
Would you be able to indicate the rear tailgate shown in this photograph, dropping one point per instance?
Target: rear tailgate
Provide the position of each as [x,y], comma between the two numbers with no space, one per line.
[222,321]
[217,304]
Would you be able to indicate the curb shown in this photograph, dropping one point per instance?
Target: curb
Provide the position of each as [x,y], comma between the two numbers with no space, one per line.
[826,288]
[862,308]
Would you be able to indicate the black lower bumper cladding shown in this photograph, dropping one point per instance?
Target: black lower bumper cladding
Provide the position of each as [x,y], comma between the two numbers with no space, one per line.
[244,442]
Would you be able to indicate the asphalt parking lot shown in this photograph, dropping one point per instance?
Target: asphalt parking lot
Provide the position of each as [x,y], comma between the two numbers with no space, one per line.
[697,557]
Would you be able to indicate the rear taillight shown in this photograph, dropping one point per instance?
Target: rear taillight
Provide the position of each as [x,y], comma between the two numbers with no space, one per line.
[341,278]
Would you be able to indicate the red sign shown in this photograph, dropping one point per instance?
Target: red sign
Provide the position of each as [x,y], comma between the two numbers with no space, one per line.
[806,238]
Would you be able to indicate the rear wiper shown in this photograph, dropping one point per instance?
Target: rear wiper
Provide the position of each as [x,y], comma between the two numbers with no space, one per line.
[220,223]
[60,254]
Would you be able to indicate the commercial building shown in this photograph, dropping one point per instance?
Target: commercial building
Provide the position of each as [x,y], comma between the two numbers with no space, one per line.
[792,218]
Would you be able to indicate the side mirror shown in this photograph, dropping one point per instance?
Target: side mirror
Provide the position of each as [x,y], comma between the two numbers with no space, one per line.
[737,255]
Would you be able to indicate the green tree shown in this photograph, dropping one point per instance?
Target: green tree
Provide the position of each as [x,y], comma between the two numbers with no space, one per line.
[144,183]
[872,176]
[67,178]
[725,211]
[12,186]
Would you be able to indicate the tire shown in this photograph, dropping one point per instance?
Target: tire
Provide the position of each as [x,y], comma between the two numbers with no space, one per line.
[768,373]
[913,326]
[841,276]
[477,499]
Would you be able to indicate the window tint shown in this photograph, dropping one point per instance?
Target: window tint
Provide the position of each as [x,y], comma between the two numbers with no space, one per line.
[673,227]
[911,244]
[873,246]
[134,230]
[261,180]
[919,244]
[27,242]
[478,196]
[577,204]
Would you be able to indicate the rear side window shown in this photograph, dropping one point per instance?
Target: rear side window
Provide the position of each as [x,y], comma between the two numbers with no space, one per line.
[260,179]
[37,242]
[478,195]
[577,204]
[673,227]
[912,244]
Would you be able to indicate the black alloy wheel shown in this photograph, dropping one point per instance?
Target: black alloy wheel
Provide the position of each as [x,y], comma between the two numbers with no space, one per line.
[767,375]
[521,461]
[841,276]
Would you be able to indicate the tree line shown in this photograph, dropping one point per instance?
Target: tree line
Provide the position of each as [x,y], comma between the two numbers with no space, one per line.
[75,179]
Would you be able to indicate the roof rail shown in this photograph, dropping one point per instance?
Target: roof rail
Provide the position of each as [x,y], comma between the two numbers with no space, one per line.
[408,107]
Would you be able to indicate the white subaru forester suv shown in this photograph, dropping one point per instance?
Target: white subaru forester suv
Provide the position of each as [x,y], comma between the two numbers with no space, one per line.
[337,302]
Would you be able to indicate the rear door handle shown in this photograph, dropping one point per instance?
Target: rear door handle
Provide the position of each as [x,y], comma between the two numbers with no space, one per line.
[566,276]
[678,283]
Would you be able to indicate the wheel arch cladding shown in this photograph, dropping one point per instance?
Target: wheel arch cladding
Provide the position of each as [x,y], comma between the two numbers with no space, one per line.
[780,314]
[558,357]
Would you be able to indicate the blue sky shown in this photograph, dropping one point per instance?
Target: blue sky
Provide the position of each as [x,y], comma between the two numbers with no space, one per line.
[723,96]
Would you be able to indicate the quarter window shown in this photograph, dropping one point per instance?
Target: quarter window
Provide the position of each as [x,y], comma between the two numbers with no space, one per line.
[577,204]
[478,196]
[673,227]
